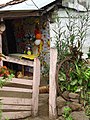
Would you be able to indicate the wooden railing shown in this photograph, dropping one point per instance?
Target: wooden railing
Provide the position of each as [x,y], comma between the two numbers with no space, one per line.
[19,97]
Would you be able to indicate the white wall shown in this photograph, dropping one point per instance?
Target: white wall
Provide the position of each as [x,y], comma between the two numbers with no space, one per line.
[64,20]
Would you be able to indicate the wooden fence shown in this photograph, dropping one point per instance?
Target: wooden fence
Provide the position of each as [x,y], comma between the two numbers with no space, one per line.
[19,97]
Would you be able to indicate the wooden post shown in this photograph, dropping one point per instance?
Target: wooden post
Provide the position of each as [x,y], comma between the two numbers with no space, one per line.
[1,62]
[36,83]
[52,84]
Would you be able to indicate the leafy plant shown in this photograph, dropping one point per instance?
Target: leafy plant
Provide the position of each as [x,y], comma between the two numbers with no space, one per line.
[72,73]
[79,78]
[66,114]
[5,74]
[70,39]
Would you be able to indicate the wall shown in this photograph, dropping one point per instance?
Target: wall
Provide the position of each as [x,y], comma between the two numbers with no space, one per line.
[64,20]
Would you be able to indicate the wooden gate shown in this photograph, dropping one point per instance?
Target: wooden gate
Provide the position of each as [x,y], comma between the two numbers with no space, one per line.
[19,97]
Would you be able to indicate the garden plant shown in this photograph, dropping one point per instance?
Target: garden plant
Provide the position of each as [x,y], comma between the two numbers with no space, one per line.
[73,73]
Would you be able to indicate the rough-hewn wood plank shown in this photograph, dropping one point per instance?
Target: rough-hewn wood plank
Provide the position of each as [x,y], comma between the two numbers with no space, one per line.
[19,61]
[11,14]
[15,115]
[16,101]
[15,108]
[13,89]
[15,94]
[36,82]
[52,84]
[21,81]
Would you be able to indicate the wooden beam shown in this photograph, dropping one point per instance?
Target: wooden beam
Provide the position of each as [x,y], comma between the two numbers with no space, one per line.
[15,108]
[19,61]
[52,85]
[15,115]
[18,14]
[15,101]
[36,83]
[21,81]
[15,89]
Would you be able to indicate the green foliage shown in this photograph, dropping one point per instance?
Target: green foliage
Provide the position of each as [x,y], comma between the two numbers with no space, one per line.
[5,75]
[73,72]
[3,80]
[81,75]
[66,114]
[79,78]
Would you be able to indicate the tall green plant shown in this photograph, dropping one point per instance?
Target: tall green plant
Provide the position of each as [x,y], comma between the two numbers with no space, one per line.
[72,72]
[70,39]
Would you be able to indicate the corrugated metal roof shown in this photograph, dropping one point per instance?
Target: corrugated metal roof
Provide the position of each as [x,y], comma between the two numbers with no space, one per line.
[26,5]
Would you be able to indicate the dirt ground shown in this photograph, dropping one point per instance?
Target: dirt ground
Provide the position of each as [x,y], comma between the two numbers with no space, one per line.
[43,108]
[43,104]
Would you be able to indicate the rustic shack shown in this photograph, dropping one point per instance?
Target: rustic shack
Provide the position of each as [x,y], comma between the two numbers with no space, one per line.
[24,31]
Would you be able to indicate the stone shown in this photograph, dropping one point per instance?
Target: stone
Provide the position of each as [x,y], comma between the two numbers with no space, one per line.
[60,118]
[60,102]
[79,115]
[75,106]
[66,95]
[73,96]
[75,100]
[82,102]
[61,110]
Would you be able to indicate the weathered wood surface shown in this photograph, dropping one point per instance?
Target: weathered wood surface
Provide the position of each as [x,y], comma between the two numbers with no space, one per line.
[14,89]
[11,14]
[16,115]
[36,83]
[19,61]
[15,108]
[21,81]
[52,84]
[16,101]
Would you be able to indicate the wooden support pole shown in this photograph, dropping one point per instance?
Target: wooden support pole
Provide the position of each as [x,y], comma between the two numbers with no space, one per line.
[52,84]
[36,83]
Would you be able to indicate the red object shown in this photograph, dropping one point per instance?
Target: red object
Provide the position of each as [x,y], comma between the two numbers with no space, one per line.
[36,31]
[38,36]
